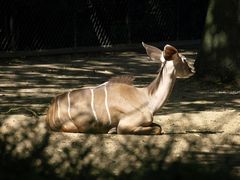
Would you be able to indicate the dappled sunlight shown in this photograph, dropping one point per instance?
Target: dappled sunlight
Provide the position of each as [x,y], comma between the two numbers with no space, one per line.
[198,138]
[27,143]
[208,122]
[22,134]
[25,80]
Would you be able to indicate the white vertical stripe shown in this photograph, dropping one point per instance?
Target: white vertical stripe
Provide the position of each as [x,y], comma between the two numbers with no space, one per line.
[69,105]
[106,104]
[92,105]
[58,108]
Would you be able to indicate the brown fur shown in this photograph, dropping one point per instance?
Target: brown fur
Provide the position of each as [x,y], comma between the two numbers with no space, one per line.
[124,79]
[51,115]
[118,104]
[170,52]
[153,52]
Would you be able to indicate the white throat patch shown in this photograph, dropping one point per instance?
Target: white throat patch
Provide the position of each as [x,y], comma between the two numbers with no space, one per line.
[162,59]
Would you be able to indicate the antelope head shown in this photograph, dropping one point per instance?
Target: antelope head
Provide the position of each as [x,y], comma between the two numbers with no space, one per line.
[170,53]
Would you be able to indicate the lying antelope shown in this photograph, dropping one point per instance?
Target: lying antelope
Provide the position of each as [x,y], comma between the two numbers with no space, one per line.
[117,106]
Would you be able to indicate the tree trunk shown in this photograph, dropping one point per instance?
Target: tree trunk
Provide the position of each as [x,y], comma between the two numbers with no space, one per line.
[219,57]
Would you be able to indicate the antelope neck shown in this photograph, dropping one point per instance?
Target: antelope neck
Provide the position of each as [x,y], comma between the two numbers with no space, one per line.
[164,83]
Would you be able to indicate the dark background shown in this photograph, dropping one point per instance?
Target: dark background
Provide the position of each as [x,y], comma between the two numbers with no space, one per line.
[27,25]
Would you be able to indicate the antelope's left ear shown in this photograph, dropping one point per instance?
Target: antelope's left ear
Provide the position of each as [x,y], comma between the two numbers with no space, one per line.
[153,52]
[170,52]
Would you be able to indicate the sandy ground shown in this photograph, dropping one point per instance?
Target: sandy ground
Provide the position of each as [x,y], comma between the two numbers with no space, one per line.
[201,122]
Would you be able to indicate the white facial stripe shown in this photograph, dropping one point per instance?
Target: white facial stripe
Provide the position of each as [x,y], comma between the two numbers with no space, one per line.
[69,106]
[58,109]
[106,105]
[92,105]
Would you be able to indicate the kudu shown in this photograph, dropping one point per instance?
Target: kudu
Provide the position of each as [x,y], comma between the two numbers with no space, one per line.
[117,106]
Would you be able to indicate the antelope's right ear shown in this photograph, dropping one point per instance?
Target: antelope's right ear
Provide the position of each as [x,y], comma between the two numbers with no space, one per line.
[153,52]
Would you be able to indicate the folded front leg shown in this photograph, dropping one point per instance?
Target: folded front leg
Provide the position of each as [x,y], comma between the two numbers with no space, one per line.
[151,130]
[141,124]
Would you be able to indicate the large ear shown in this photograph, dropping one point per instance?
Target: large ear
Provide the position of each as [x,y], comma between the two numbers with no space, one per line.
[170,52]
[153,52]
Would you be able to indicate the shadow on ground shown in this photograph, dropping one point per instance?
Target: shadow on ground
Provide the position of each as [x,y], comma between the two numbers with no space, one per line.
[28,150]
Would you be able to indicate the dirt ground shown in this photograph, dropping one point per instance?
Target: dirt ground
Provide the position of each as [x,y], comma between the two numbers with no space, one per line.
[201,123]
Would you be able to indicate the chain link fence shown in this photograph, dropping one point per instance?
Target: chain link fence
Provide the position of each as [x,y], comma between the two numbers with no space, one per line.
[27,25]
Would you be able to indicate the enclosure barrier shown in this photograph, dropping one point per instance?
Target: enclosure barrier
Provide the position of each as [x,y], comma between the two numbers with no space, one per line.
[58,25]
